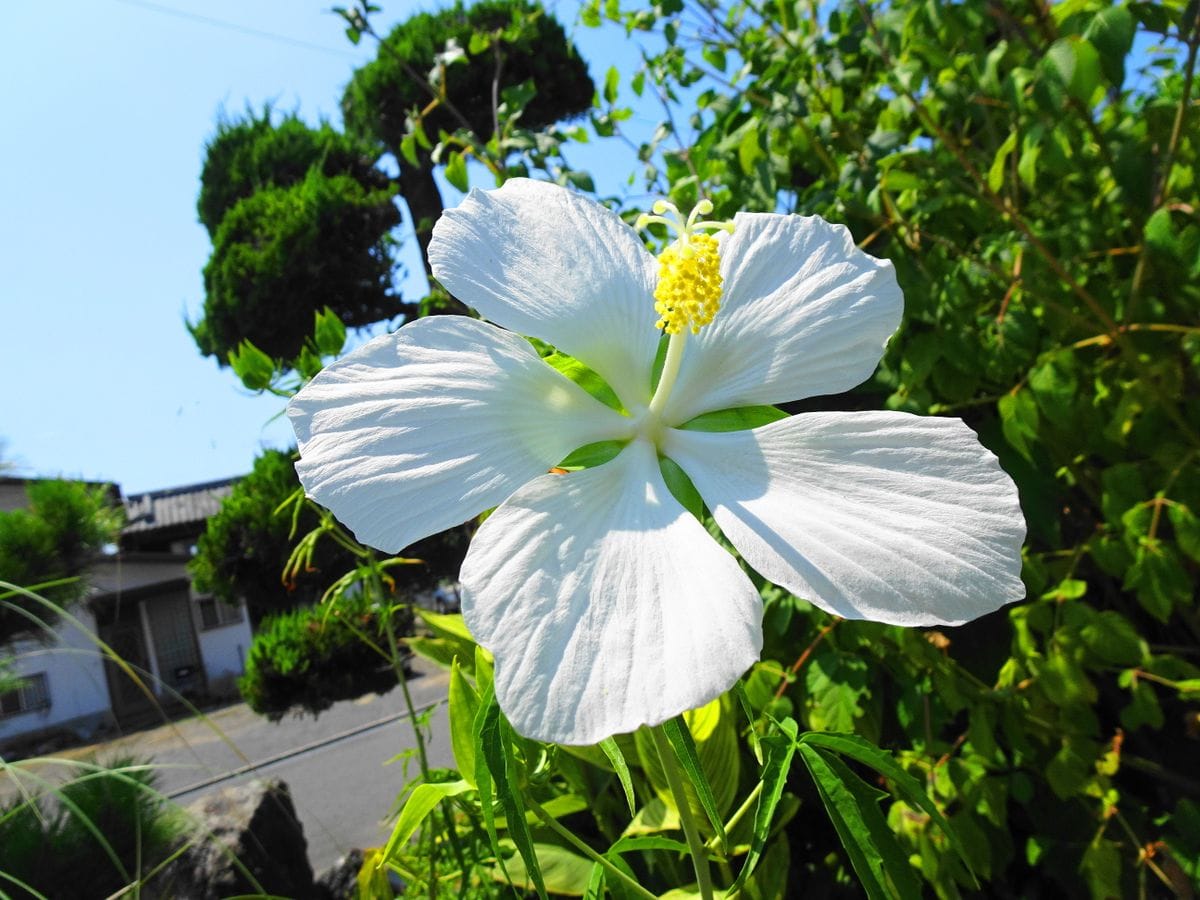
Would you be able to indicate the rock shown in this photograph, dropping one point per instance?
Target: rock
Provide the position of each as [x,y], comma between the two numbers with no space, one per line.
[255,824]
[340,881]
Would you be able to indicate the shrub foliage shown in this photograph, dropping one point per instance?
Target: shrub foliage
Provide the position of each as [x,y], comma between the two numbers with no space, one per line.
[307,659]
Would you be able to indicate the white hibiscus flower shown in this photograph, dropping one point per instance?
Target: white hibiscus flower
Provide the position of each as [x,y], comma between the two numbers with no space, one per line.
[606,605]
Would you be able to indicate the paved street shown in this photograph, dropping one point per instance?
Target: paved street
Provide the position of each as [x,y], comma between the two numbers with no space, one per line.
[336,765]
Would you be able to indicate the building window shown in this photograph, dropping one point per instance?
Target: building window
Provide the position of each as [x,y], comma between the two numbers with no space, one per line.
[214,613]
[32,693]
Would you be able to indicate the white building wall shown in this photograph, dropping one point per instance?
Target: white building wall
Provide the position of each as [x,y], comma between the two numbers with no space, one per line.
[223,652]
[75,680]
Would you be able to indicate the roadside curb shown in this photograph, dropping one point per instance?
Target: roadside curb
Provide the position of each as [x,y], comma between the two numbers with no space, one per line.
[298,751]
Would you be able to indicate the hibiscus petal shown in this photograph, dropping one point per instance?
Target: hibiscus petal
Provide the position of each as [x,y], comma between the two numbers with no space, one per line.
[420,430]
[606,605]
[541,260]
[804,313]
[879,515]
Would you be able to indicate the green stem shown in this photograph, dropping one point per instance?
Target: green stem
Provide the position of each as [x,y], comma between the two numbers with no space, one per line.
[675,779]
[562,831]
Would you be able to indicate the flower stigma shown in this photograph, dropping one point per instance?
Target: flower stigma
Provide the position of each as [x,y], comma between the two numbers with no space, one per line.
[688,294]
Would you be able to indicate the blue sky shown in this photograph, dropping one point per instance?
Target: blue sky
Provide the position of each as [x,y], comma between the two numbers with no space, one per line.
[108,104]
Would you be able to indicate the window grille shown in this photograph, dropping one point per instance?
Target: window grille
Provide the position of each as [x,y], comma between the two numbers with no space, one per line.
[31,694]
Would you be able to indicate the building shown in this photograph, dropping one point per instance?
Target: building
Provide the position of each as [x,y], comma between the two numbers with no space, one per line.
[172,643]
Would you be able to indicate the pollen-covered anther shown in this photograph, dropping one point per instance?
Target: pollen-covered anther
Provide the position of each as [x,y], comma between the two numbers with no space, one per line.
[689,284]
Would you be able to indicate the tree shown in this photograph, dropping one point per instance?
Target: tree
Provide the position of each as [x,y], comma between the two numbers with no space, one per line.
[66,524]
[302,218]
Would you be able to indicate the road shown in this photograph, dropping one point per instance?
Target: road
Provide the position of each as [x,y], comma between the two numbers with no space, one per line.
[337,765]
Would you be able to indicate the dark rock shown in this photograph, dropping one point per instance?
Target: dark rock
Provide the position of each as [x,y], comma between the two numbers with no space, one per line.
[340,881]
[248,841]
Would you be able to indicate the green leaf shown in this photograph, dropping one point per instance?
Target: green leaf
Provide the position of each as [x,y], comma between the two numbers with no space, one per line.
[681,487]
[558,870]
[647,842]
[780,750]
[995,176]
[408,149]
[1114,640]
[495,744]
[329,333]
[1074,62]
[1031,151]
[420,803]
[1111,32]
[1159,579]
[617,758]
[456,171]
[909,789]
[1187,529]
[853,806]
[252,366]
[750,150]
[1159,233]
[680,737]
[612,83]
[740,418]
[837,685]
[1019,421]
[463,708]
[714,55]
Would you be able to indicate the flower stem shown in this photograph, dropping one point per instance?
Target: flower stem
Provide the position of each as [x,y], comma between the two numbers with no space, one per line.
[675,779]
[670,372]
[559,829]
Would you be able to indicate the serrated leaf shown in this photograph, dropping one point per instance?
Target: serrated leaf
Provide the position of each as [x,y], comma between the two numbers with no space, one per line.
[780,750]
[494,746]
[881,866]
[680,738]
[909,789]
[741,418]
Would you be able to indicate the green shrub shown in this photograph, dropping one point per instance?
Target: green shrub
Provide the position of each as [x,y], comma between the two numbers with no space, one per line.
[251,154]
[66,524]
[246,545]
[285,253]
[90,838]
[308,659]
[383,93]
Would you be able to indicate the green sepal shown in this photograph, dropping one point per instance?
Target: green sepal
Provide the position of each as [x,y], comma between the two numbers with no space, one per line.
[586,378]
[741,418]
[590,455]
[681,487]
